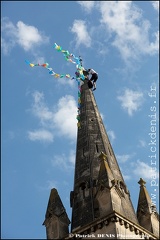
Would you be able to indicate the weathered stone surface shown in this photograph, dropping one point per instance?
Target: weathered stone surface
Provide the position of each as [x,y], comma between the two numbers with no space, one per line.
[56,219]
[100,200]
[92,139]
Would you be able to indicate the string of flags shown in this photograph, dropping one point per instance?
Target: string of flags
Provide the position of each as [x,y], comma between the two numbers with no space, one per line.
[51,72]
[80,83]
[70,57]
[79,76]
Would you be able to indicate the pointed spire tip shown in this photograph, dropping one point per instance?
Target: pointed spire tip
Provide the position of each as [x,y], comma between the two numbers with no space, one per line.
[142,182]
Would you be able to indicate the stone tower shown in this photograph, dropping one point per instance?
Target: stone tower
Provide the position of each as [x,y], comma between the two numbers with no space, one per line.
[100,200]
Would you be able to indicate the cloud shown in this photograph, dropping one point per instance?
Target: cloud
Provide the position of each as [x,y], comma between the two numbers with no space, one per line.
[143,170]
[69,82]
[123,158]
[87,5]
[155,5]
[72,157]
[112,136]
[136,169]
[82,36]
[142,143]
[131,101]
[40,135]
[102,116]
[59,120]
[65,117]
[129,30]
[41,110]
[48,185]
[64,162]
[126,177]
[21,34]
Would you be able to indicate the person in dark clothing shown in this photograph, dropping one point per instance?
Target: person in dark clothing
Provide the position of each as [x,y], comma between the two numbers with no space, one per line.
[94,77]
[90,84]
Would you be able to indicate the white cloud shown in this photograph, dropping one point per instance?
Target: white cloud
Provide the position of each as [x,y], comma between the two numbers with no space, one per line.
[126,177]
[82,35]
[51,184]
[131,101]
[143,170]
[129,30]
[20,34]
[64,162]
[142,143]
[40,135]
[6,47]
[112,136]
[65,117]
[123,158]
[28,36]
[60,120]
[69,81]
[102,116]
[87,5]
[39,59]
[40,109]
[155,5]
[48,185]
[72,157]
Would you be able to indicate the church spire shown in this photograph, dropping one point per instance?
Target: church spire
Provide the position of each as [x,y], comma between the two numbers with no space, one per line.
[56,218]
[100,200]
[146,210]
[92,141]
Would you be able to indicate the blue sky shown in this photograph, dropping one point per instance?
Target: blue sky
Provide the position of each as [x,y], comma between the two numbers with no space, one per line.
[117,39]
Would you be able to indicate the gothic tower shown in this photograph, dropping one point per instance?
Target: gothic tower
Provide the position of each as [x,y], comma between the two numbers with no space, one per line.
[100,201]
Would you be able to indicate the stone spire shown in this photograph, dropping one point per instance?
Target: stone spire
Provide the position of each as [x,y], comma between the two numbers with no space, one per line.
[146,211]
[56,219]
[96,163]
[100,200]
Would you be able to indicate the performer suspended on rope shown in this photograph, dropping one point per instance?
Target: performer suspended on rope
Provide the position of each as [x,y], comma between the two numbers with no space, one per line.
[93,79]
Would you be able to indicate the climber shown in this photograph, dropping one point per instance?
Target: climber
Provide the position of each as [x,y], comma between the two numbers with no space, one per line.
[93,78]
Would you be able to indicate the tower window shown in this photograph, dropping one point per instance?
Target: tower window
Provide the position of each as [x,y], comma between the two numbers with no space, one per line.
[97,148]
[83,186]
